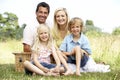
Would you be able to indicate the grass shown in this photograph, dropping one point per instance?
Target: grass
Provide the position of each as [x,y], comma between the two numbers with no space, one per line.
[105,49]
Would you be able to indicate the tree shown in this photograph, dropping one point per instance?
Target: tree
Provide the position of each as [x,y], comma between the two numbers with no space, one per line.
[116,31]
[9,27]
[89,22]
[90,26]
[90,29]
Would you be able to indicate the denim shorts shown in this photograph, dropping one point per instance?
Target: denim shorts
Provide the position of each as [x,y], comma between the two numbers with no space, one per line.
[83,60]
[49,66]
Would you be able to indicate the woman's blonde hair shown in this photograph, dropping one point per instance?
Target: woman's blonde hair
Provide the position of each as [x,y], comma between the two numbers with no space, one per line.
[56,26]
[38,41]
[75,20]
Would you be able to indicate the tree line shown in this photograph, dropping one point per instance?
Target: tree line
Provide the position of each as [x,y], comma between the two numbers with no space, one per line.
[10,29]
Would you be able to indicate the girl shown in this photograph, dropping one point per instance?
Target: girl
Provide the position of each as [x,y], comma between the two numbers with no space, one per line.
[41,51]
[76,45]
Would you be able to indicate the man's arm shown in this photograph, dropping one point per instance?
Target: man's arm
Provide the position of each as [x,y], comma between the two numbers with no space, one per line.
[26,48]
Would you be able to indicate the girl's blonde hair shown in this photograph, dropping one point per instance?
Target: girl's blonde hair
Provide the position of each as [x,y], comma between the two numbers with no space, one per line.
[56,26]
[37,42]
[75,20]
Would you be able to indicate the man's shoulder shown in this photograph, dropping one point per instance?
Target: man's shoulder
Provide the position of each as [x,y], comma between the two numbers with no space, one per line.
[34,24]
[49,24]
[31,26]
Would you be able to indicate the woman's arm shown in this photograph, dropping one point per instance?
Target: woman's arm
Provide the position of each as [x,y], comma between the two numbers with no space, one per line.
[37,63]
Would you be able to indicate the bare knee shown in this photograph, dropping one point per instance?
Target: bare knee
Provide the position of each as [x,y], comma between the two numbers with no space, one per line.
[77,48]
[26,63]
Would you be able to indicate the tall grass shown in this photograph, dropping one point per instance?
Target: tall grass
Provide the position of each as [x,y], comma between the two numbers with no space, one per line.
[6,50]
[104,49]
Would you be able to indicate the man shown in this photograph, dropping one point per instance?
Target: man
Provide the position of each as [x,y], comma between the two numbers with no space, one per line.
[42,12]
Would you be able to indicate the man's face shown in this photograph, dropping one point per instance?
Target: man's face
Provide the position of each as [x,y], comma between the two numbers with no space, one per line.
[42,14]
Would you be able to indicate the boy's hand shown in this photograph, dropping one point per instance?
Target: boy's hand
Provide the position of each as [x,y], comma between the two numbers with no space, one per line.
[83,51]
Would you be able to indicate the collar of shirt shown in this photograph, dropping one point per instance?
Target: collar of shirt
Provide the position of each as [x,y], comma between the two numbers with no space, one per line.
[79,40]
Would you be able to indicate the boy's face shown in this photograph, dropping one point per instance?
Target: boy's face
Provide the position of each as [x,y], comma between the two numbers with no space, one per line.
[76,29]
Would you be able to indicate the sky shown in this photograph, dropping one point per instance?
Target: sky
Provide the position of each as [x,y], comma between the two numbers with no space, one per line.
[105,14]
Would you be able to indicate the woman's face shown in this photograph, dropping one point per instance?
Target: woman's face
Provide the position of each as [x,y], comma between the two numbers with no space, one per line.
[61,18]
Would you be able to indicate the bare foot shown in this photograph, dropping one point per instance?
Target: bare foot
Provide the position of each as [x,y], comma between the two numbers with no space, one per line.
[52,74]
[78,74]
[33,74]
[68,72]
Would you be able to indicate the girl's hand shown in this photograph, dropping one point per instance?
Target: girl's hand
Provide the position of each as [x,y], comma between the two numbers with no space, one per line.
[46,70]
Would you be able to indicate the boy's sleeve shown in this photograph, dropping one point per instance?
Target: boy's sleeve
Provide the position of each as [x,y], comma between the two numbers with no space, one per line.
[86,46]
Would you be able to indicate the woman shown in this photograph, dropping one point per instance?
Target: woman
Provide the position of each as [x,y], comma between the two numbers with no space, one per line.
[60,28]
[59,31]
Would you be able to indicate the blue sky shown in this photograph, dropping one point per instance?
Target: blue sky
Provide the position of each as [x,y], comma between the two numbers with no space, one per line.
[104,13]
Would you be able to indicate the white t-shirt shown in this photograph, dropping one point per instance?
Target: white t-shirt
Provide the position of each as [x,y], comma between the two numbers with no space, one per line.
[30,32]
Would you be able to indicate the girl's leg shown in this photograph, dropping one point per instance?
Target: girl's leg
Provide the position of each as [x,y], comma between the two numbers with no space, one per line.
[64,62]
[28,65]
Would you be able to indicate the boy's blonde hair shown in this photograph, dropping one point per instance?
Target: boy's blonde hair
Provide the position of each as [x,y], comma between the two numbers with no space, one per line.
[38,41]
[75,20]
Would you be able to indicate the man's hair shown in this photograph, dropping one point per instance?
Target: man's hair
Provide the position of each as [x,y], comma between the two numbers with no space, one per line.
[43,4]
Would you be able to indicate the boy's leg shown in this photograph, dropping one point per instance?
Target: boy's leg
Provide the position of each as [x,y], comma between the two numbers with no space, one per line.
[78,55]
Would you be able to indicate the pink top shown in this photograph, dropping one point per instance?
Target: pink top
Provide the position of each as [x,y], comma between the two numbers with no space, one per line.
[44,55]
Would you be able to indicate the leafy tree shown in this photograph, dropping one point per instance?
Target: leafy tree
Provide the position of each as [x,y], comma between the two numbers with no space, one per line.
[9,27]
[90,29]
[116,31]
[89,22]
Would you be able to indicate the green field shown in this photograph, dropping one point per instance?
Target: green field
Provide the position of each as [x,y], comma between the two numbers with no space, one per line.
[104,49]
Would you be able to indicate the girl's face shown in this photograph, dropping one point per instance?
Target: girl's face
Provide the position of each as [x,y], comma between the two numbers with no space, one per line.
[44,34]
[76,29]
[61,18]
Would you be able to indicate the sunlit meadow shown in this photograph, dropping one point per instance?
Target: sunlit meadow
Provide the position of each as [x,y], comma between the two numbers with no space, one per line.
[104,49]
